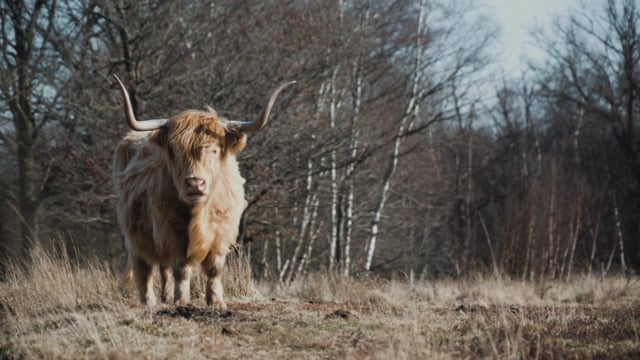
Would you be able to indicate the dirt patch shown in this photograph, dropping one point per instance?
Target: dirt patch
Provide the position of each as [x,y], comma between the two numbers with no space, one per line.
[340,314]
[191,312]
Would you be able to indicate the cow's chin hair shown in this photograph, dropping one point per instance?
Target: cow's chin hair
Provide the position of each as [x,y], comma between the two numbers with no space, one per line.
[194,199]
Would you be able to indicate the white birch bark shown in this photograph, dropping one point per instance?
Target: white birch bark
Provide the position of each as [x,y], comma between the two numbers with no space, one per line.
[353,144]
[333,241]
[304,223]
[468,198]
[312,234]
[334,105]
[623,264]
[405,123]
[278,249]
[283,271]
[382,197]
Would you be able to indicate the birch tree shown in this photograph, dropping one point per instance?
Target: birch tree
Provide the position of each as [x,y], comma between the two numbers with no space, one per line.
[296,262]
[449,53]
[406,121]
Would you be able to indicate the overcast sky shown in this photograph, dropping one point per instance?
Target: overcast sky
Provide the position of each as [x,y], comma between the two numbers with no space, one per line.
[516,16]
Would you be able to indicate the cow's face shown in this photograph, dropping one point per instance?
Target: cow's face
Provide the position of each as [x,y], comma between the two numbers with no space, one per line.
[196,146]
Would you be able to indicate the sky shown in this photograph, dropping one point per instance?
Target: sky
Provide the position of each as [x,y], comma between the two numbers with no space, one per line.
[516,17]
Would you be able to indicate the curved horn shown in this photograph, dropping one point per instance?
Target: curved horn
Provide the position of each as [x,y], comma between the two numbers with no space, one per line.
[145,125]
[261,121]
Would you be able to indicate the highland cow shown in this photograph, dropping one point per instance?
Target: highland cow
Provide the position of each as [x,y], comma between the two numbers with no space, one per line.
[180,197]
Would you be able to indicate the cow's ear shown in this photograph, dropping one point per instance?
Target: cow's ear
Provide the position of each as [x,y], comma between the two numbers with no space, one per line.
[235,142]
[160,137]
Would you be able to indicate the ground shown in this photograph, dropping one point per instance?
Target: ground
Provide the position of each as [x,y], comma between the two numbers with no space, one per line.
[57,310]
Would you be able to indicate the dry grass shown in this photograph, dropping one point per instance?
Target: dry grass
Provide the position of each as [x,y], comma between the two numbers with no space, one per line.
[60,310]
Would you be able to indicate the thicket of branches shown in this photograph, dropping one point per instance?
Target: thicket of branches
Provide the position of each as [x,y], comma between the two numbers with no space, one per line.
[398,149]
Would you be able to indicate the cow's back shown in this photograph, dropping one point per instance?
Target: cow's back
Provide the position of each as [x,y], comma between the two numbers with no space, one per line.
[126,150]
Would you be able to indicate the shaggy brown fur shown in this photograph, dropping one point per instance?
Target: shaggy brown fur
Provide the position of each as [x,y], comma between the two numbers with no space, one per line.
[164,220]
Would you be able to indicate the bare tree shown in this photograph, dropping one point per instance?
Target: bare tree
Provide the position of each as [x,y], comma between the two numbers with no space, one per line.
[594,59]
[32,76]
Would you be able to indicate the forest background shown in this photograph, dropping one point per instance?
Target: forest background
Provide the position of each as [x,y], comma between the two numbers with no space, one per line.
[403,148]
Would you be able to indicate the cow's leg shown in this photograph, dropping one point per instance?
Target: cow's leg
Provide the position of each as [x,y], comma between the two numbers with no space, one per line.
[182,276]
[143,274]
[213,266]
[166,276]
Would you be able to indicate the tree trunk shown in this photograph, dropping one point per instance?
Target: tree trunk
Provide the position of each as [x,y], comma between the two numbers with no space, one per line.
[313,234]
[24,121]
[333,241]
[623,264]
[353,145]
[406,121]
[382,198]
[307,215]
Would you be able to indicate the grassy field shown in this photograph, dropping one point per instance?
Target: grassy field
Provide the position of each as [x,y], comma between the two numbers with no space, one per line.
[57,310]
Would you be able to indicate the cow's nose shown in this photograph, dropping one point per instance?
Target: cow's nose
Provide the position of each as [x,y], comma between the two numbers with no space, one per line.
[195,183]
